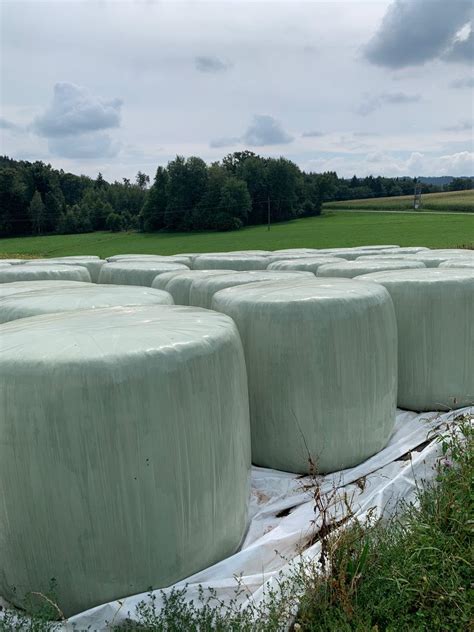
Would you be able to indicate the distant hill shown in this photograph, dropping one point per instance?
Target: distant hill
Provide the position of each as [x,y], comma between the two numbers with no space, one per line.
[440,180]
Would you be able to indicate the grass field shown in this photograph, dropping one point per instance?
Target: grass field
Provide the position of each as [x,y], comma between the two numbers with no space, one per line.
[330,230]
[453,201]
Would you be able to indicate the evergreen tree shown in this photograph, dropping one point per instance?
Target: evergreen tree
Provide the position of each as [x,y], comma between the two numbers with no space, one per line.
[37,213]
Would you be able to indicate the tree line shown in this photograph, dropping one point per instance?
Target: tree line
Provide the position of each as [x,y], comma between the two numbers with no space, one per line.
[186,195]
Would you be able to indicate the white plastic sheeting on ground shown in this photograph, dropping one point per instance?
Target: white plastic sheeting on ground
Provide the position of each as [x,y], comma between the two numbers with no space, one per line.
[136,272]
[350,269]
[435,318]
[230,262]
[7,289]
[125,454]
[63,299]
[322,366]
[273,544]
[203,289]
[43,273]
[13,262]
[179,283]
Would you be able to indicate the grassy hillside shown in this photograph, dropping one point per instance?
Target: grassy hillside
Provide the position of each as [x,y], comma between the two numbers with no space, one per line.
[453,201]
[329,230]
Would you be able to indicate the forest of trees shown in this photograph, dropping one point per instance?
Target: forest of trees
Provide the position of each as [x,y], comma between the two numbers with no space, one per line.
[186,195]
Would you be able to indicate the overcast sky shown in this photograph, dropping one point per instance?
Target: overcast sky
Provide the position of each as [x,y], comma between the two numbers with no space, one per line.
[358,87]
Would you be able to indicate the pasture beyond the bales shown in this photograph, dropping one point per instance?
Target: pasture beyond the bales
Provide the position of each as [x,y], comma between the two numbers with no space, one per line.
[446,202]
[332,229]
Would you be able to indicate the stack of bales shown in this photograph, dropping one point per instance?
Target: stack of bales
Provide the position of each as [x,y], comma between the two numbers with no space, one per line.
[144,448]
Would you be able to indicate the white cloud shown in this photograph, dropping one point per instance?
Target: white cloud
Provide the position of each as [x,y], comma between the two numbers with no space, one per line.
[75,111]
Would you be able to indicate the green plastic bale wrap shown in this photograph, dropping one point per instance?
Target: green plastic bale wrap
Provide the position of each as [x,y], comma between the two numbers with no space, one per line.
[322,365]
[178,284]
[44,273]
[184,259]
[459,262]
[433,258]
[435,316]
[230,262]
[310,264]
[125,453]
[92,264]
[136,272]
[9,289]
[351,269]
[202,290]
[51,301]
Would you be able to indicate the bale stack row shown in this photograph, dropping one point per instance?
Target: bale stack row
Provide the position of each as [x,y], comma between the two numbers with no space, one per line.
[133,414]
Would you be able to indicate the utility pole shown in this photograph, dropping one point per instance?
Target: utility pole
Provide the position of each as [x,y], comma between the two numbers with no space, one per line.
[268,212]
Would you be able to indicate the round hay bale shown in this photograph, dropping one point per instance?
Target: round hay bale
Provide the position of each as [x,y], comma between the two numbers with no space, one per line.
[322,364]
[93,264]
[203,289]
[125,456]
[178,284]
[310,264]
[351,269]
[435,316]
[230,262]
[25,272]
[136,272]
[8,289]
[53,301]
[459,262]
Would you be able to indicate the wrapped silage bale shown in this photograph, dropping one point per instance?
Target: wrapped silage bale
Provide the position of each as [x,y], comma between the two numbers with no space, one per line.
[351,269]
[230,262]
[184,259]
[432,259]
[300,257]
[435,316]
[408,250]
[44,273]
[202,290]
[311,264]
[5,265]
[92,264]
[178,284]
[135,272]
[387,257]
[262,253]
[322,365]
[125,454]
[7,289]
[295,251]
[52,301]
[459,262]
